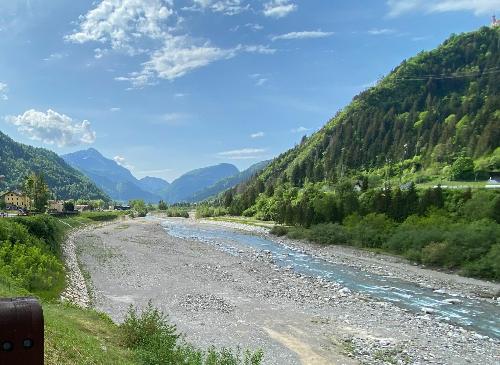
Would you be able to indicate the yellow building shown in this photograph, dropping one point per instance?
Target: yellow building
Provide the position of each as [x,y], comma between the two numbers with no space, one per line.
[17,199]
[55,206]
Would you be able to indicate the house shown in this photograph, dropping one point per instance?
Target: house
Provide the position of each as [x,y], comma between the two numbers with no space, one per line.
[16,199]
[82,208]
[495,22]
[55,206]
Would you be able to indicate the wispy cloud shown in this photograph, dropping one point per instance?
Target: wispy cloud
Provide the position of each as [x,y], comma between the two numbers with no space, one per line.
[257,135]
[3,91]
[302,35]
[279,8]
[127,25]
[261,82]
[242,154]
[122,161]
[114,110]
[55,56]
[478,7]
[383,31]
[300,130]
[178,57]
[227,7]
[53,128]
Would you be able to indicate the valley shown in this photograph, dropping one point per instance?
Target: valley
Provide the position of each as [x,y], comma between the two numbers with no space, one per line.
[222,292]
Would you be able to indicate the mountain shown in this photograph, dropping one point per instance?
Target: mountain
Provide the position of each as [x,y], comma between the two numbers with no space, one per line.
[18,160]
[431,111]
[229,182]
[183,188]
[115,180]
[154,185]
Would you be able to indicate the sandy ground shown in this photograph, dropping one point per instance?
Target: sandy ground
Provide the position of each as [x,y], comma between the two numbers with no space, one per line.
[224,300]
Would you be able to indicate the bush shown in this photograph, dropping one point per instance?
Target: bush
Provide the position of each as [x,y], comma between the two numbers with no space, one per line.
[30,266]
[177,212]
[45,228]
[372,230]
[279,231]
[329,233]
[157,342]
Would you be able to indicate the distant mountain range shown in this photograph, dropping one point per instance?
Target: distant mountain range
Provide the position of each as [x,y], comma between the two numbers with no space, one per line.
[119,183]
[228,182]
[17,160]
[115,180]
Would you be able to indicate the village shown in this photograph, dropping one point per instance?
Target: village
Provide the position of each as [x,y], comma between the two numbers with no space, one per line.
[18,202]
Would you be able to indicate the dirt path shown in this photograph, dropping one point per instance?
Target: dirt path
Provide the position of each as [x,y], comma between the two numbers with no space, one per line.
[244,300]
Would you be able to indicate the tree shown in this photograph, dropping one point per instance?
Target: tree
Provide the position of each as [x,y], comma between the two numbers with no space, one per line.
[139,207]
[162,205]
[37,190]
[462,169]
[69,206]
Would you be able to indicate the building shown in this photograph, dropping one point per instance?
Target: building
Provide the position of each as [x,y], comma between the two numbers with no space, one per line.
[16,199]
[82,208]
[55,206]
[495,22]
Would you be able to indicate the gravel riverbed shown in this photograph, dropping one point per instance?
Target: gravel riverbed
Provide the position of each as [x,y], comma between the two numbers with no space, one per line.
[245,300]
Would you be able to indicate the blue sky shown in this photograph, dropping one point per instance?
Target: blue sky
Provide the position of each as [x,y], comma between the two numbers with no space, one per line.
[165,86]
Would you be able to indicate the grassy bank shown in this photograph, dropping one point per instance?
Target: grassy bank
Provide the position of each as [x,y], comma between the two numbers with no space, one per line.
[30,265]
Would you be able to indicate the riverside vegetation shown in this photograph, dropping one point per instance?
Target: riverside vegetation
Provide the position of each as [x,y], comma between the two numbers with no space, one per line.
[30,264]
[435,118]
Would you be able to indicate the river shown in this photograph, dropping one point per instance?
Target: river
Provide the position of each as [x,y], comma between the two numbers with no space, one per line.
[475,314]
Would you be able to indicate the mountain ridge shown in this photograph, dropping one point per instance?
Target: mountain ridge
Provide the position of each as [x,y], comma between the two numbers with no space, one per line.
[18,160]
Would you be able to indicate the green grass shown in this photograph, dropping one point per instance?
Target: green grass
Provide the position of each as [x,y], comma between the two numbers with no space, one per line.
[74,335]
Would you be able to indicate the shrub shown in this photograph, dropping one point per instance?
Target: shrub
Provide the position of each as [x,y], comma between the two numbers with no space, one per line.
[157,342]
[329,233]
[30,266]
[279,231]
[372,230]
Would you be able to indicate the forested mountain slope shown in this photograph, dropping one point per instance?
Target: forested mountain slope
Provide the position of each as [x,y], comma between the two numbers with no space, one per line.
[18,160]
[432,109]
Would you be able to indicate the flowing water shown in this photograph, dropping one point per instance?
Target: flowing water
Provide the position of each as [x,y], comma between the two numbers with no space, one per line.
[478,315]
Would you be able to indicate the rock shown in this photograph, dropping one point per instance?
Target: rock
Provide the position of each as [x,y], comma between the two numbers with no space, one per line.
[428,310]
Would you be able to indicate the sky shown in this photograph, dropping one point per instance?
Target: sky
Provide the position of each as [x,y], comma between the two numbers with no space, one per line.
[166,86]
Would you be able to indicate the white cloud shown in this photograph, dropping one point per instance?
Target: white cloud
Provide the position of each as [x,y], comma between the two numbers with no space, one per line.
[3,91]
[174,118]
[227,7]
[261,82]
[128,25]
[279,8]
[383,31]
[122,161]
[243,154]
[53,128]
[257,135]
[55,56]
[179,57]
[114,110]
[300,130]
[180,95]
[478,7]
[122,23]
[253,26]
[302,35]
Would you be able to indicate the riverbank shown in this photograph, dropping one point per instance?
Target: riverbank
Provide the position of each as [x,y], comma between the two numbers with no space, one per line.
[225,299]
[381,264]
